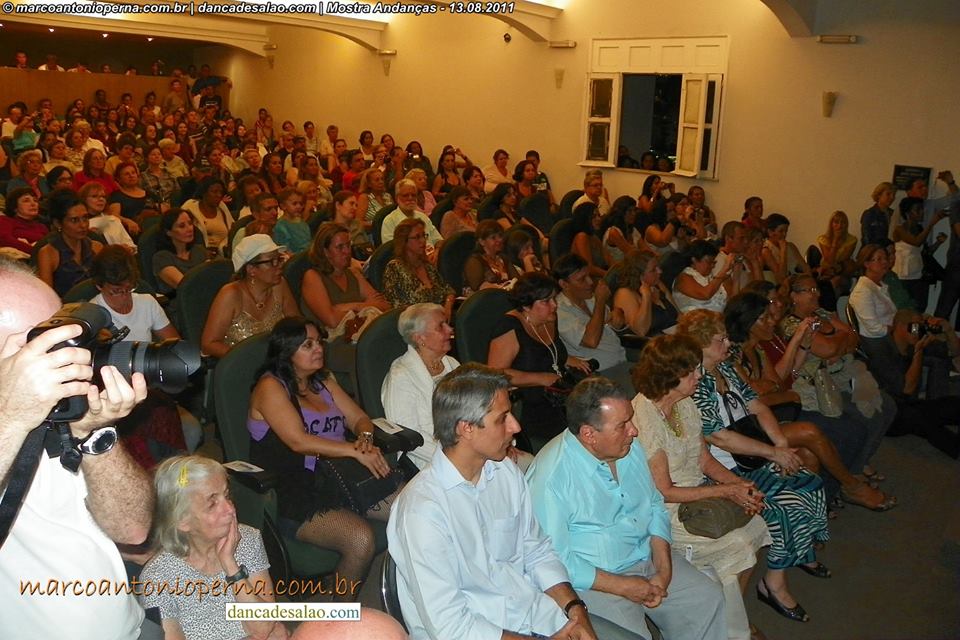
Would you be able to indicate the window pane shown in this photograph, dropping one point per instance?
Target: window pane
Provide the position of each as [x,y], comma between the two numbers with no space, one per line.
[649,115]
[711,96]
[598,141]
[601,97]
[705,149]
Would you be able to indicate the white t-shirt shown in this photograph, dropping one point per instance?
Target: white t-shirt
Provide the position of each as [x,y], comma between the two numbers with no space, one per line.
[56,540]
[147,315]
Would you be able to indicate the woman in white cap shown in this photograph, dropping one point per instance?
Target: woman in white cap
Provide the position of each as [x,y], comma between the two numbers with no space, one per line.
[256,299]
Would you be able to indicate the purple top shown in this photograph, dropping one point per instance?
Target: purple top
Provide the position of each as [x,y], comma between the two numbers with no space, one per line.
[330,424]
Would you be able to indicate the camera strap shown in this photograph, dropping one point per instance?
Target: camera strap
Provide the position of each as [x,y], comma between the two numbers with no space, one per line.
[56,439]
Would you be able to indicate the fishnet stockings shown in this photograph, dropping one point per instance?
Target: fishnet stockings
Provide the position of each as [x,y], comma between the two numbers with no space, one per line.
[348,534]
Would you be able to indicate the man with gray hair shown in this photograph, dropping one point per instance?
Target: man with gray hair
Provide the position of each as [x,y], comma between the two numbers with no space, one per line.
[406,192]
[472,563]
[594,496]
[594,192]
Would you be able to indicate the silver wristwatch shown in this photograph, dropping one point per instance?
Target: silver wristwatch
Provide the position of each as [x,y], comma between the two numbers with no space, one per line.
[99,441]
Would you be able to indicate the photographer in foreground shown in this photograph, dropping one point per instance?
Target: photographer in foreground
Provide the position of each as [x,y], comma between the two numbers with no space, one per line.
[66,526]
[897,362]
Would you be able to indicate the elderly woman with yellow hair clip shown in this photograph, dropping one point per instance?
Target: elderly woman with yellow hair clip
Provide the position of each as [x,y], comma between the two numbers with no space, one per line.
[202,550]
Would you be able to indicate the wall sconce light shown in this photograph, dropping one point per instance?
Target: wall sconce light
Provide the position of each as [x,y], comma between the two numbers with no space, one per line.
[562,44]
[558,76]
[828,100]
[837,39]
[386,57]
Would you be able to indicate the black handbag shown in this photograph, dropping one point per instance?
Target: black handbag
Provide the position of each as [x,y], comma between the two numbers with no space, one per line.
[359,489]
[750,427]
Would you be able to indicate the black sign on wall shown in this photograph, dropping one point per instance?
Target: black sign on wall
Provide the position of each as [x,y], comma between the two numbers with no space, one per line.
[904,175]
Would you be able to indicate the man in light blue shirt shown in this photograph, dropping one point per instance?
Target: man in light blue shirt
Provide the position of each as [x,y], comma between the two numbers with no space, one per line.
[593,495]
[472,563]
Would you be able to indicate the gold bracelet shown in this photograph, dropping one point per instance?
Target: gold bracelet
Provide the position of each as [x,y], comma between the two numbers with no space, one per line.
[365,436]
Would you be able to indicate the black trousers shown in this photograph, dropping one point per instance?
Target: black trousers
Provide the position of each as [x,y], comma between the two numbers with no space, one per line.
[929,419]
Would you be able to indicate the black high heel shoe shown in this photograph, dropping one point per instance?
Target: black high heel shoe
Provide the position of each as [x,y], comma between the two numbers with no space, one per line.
[797,614]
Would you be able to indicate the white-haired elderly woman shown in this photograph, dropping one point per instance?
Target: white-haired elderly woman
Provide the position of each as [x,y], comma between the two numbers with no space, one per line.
[200,543]
[408,388]
[407,392]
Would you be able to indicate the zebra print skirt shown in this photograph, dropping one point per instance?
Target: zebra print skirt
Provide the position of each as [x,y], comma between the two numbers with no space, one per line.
[795,512]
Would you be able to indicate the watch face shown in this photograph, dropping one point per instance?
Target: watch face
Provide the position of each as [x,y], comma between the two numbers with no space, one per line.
[100,441]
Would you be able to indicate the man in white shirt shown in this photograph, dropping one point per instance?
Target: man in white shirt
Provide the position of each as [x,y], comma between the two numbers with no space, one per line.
[594,191]
[63,537]
[407,208]
[472,562]
[734,235]
[50,64]
[326,146]
[587,328]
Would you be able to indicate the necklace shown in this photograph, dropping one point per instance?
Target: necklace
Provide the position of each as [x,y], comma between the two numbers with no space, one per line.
[673,422]
[259,304]
[551,348]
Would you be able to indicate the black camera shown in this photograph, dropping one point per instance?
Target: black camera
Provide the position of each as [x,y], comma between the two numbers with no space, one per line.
[165,365]
[921,329]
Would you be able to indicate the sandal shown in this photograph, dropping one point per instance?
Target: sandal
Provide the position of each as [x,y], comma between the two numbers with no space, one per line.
[863,496]
[818,570]
[873,475]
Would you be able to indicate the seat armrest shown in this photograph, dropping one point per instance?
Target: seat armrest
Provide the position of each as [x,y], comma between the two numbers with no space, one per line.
[258,481]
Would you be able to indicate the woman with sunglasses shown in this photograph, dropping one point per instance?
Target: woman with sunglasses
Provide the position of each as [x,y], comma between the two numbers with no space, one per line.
[254,302]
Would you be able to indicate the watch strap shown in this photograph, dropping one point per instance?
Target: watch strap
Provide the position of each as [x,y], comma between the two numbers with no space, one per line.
[238,576]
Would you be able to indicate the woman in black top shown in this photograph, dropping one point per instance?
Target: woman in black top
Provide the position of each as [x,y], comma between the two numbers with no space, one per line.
[526,346]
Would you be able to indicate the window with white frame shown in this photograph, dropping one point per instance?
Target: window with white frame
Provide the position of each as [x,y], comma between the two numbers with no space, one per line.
[659,96]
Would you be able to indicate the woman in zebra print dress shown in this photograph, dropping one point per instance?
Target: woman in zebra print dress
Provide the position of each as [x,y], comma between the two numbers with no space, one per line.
[795,508]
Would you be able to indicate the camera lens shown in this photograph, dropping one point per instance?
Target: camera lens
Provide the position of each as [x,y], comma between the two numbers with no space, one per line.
[166,366]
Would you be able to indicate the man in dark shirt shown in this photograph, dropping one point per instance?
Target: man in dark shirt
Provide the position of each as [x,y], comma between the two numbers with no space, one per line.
[898,363]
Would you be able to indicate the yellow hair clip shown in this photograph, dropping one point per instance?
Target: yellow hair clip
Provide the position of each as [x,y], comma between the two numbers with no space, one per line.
[184,479]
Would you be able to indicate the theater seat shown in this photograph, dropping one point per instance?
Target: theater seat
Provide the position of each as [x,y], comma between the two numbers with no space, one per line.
[436,216]
[561,239]
[389,596]
[379,345]
[293,272]
[146,247]
[375,236]
[377,264]
[195,295]
[453,256]
[474,322]
[536,209]
[566,203]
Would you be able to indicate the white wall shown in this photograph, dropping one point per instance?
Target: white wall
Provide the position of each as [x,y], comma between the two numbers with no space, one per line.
[456,81]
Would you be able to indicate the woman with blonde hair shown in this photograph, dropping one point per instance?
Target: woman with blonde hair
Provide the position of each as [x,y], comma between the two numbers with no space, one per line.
[200,542]
[372,194]
[836,248]
[425,200]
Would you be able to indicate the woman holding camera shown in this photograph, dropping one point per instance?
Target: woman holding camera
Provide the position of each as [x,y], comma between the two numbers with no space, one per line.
[697,286]
[832,347]
[823,441]
[527,348]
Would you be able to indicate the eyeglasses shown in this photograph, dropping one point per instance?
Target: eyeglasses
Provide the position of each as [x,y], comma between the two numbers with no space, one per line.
[273,262]
[721,339]
[810,289]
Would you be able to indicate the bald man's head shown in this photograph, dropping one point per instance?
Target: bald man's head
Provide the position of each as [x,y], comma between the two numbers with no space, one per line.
[373,625]
[27,301]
